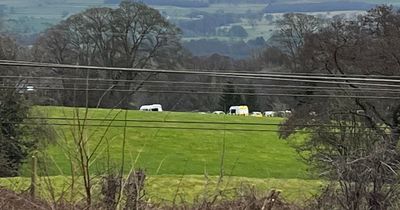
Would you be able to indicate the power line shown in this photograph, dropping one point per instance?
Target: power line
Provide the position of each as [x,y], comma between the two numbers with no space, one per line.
[261,72]
[210,93]
[190,122]
[100,81]
[280,77]
[336,75]
[194,85]
[208,74]
[174,127]
[187,88]
[291,78]
[150,127]
[201,72]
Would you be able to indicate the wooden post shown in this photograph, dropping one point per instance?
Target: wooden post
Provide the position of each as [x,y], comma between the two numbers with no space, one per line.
[33,176]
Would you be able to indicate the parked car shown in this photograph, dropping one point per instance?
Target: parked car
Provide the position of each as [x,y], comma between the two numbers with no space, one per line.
[218,112]
[269,114]
[287,113]
[152,108]
[256,114]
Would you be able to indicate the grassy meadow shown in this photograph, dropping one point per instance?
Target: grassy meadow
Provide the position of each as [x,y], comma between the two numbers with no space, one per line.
[164,151]
[181,164]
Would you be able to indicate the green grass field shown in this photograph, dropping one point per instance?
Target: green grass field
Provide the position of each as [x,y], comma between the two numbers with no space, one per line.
[163,151]
[178,162]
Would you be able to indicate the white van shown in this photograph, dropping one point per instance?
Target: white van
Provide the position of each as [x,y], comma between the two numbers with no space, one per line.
[239,110]
[152,108]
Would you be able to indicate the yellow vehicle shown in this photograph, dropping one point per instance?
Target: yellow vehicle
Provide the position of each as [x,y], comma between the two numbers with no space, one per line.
[239,110]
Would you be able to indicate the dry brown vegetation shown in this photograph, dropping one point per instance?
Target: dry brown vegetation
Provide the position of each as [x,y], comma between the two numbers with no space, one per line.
[248,200]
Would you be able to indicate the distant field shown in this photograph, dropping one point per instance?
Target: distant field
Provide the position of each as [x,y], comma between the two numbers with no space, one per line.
[34,16]
[57,9]
[213,8]
[171,151]
[394,2]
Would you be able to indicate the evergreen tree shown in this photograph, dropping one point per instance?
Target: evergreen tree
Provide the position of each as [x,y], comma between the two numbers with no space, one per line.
[252,100]
[229,98]
[19,135]
[13,110]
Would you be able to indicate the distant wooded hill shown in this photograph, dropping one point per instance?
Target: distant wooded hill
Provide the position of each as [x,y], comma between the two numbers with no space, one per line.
[318,7]
[177,3]
[190,3]
[274,6]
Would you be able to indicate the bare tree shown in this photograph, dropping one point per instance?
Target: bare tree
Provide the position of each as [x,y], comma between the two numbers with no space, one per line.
[294,27]
[355,139]
[132,36]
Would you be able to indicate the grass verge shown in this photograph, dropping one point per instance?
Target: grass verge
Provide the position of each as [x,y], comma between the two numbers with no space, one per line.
[187,188]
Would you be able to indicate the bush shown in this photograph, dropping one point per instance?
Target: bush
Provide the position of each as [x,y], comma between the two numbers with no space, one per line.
[19,135]
[13,110]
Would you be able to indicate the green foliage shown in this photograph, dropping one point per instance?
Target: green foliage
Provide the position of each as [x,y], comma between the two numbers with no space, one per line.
[13,148]
[252,100]
[229,99]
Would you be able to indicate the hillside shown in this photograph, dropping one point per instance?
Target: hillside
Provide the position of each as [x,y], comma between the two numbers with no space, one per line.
[259,154]
[327,6]
[203,22]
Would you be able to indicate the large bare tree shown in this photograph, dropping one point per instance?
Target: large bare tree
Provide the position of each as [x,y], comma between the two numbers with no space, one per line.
[131,36]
